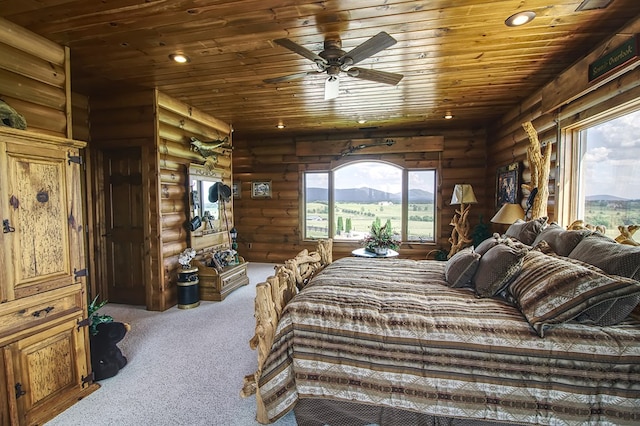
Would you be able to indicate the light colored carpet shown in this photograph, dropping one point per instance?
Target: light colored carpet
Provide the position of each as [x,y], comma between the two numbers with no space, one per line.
[185,366]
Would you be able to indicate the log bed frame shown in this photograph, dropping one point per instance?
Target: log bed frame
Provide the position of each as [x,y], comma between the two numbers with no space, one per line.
[271,298]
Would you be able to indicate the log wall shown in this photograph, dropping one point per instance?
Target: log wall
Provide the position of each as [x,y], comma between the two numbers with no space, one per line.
[162,127]
[34,79]
[270,230]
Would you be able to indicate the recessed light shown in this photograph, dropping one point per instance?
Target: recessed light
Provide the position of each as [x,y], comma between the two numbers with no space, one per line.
[280,126]
[520,18]
[362,121]
[448,116]
[179,58]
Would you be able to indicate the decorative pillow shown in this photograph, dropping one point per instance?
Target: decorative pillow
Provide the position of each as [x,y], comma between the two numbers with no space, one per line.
[497,268]
[613,258]
[490,242]
[460,268]
[526,232]
[560,240]
[609,312]
[550,291]
[605,313]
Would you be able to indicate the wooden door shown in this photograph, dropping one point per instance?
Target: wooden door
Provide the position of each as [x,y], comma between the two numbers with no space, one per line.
[124,226]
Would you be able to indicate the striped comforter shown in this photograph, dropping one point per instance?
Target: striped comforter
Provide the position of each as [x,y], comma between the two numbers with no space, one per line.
[390,332]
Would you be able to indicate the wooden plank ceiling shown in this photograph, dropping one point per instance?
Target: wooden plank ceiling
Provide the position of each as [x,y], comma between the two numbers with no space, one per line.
[456,56]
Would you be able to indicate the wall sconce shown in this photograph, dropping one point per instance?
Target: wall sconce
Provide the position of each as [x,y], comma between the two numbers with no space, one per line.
[462,194]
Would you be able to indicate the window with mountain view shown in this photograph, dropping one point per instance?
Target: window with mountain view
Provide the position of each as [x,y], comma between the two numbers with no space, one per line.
[608,187]
[344,202]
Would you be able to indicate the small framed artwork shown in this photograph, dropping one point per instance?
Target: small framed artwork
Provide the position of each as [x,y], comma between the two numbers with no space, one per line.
[261,189]
[507,184]
[237,190]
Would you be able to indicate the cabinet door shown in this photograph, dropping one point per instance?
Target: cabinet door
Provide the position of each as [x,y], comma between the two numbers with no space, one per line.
[44,209]
[5,414]
[49,369]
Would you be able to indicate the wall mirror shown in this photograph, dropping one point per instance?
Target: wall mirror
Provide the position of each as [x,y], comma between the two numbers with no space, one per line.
[205,207]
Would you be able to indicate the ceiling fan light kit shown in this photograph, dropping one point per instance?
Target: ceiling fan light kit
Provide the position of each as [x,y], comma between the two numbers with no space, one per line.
[333,60]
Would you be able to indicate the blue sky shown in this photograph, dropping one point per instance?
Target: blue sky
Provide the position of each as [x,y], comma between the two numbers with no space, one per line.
[613,158]
[381,176]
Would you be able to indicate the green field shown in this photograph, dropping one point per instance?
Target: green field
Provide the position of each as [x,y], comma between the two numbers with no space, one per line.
[612,213]
[362,215]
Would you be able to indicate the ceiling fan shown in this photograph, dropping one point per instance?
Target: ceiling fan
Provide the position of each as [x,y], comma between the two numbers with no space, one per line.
[333,60]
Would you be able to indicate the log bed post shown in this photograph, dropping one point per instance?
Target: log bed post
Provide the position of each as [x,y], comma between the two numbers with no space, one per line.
[271,298]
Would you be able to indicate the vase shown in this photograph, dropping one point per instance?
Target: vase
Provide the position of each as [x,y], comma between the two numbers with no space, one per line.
[381,251]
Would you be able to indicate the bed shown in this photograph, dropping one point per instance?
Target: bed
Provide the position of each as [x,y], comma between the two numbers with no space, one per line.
[393,341]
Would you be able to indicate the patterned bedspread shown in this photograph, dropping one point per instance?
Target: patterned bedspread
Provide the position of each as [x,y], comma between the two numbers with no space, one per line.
[390,332]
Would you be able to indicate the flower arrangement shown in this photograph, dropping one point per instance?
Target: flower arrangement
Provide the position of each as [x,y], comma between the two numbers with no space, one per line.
[186,257]
[381,238]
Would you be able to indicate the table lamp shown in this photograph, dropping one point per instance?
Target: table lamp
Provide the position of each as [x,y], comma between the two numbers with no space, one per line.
[462,194]
[508,214]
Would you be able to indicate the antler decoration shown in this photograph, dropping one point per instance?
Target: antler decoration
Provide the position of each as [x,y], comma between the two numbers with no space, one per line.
[540,166]
[350,150]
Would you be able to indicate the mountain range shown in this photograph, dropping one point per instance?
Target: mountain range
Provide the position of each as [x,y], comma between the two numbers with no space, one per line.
[367,195]
[603,197]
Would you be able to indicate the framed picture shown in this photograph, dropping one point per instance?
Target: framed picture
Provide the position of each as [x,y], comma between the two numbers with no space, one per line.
[507,185]
[237,190]
[261,189]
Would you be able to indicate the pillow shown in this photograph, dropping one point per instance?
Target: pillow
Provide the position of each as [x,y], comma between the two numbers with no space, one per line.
[605,313]
[610,312]
[613,258]
[526,232]
[460,267]
[490,242]
[550,291]
[497,267]
[560,240]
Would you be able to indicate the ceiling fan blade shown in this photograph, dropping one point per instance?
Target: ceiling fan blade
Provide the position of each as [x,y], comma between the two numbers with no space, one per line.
[290,77]
[375,44]
[300,50]
[374,75]
[331,87]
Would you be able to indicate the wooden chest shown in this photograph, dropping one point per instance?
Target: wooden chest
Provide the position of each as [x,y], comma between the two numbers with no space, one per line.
[216,285]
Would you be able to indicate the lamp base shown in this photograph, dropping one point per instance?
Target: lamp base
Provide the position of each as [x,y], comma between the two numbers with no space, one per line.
[460,233]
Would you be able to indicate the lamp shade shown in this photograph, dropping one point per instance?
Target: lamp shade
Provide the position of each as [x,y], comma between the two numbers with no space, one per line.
[508,214]
[463,194]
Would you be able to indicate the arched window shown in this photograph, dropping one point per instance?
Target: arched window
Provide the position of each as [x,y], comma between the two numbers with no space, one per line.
[343,203]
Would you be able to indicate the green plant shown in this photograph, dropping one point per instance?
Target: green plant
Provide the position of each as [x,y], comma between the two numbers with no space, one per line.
[480,233]
[96,319]
[380,236]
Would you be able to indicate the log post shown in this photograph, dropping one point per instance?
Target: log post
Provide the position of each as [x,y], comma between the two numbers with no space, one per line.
[540,166]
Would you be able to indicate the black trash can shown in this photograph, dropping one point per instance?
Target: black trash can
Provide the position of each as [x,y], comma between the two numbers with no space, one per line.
[188,288]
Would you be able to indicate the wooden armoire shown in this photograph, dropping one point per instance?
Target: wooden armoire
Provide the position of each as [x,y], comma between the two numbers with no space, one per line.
[44,360]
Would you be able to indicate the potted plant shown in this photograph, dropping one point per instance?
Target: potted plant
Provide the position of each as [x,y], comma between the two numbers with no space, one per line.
[96,318]
[381,238]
